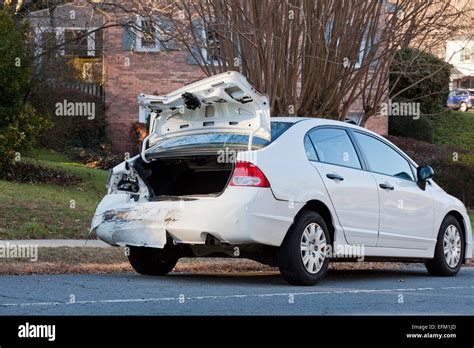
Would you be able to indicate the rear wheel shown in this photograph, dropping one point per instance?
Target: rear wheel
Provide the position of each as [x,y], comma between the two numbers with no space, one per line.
[463,107]
[449,250]
[303,257]
[153,261]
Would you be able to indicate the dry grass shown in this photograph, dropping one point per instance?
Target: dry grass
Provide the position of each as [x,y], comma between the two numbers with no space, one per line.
[113,260]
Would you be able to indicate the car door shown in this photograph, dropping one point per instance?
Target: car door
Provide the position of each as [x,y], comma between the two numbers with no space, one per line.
[353,191]
[406,211]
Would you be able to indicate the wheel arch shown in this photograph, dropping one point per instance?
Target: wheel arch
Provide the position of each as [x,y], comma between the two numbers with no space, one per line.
[458,216]
[323,210]
[466,231]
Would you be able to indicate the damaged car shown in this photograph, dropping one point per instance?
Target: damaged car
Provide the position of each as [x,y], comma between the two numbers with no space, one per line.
[217,177]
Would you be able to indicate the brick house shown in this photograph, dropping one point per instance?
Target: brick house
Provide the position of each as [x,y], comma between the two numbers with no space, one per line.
[70,31]
[133,64]
[131,68]
[458,49]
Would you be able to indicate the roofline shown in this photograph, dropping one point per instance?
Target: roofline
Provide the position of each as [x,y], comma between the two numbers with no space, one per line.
[86,4]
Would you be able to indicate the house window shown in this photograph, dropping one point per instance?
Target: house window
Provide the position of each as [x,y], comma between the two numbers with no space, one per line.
[46,50]
[149,34]
[154,35]
[48,42]
[76,43]
[208,47]
[467,84]
[467,53]
[97,44]
[212,52]
[365,45]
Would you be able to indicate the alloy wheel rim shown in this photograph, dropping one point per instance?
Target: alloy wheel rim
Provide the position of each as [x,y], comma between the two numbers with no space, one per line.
[452,246]
[313,248]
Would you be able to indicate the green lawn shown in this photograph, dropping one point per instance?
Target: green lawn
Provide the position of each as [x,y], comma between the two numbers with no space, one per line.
[50,211]
[454,128]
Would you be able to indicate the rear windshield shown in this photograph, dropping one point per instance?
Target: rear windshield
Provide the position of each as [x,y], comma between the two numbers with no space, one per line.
[221,140]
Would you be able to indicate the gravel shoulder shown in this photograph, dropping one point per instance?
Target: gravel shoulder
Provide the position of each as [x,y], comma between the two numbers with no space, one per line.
[98,260]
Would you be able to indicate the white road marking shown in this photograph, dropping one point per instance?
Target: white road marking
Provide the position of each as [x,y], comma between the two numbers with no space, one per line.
[214,297]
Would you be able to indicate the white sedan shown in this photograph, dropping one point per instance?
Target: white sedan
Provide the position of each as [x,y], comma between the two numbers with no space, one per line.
[217,178]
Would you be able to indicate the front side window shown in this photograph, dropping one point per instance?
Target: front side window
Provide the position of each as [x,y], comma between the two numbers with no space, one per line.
[334,146]
[382,158]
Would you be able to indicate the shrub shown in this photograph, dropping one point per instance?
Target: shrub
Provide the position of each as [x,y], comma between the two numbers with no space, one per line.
[420,129]
[418,77]
[453,166]
[72,131]
[454,128]
[422,77]
[20,124]
[34,174]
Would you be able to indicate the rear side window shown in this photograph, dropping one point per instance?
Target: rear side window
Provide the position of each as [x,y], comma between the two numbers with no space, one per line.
[309,149]
[382,158]
[278,128]
[334,146]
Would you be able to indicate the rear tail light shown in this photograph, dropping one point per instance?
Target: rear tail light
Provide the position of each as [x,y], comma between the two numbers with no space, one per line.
[248,174]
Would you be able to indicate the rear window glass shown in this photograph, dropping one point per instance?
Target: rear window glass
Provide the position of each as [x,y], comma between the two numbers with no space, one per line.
[221,140]
[218,140]
[278,128]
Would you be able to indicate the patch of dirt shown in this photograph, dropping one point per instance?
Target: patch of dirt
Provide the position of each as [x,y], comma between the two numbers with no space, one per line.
[113,260]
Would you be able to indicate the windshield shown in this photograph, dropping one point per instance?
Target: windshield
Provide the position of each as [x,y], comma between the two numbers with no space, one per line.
[220,140]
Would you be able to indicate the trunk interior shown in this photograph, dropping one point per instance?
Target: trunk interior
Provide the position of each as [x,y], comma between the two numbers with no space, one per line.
[190,175]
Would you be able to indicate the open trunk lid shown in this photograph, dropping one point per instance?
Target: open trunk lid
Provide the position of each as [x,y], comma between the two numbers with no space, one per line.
[220,111]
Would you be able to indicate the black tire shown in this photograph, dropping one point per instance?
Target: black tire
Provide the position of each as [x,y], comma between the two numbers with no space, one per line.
[290,260]
[438,266]
[153,261]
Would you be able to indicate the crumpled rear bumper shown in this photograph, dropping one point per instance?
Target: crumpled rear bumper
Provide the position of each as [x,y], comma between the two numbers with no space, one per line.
[239,216]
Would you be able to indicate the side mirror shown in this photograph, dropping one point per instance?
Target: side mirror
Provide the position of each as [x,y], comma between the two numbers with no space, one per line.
[424,174]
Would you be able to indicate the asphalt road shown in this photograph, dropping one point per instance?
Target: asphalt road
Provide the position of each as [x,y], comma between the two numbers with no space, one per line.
[410,291]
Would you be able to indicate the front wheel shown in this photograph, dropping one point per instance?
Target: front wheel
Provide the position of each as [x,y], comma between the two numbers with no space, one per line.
[449,250]
[303,256]
[153,261]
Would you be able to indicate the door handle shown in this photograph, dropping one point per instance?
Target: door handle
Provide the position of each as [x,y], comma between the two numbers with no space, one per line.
[334,177]
[387,186]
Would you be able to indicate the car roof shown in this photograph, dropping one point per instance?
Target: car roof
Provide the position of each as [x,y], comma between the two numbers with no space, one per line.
[317,121]
[289,119]
[314,122]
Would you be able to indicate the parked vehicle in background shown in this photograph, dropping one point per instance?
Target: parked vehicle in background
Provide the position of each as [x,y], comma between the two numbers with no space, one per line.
[460,99]
[217,178]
